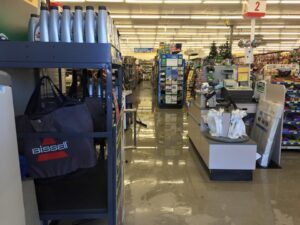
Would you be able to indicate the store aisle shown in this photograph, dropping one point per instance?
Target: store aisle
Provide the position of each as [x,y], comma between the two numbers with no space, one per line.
[166,184]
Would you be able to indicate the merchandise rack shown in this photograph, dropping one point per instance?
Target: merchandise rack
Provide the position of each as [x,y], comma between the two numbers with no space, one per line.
[130,75]
[291,131]
[147,69]
[99,192]
[162,81]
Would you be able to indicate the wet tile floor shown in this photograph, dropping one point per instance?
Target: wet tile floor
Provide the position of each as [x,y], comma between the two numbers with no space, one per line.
[165,183]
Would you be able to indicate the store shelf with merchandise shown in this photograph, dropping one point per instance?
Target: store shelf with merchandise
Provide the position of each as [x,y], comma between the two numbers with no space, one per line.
[130,74]
[266,67]
[291,130]
[89,193]
[170,82]
[147,69]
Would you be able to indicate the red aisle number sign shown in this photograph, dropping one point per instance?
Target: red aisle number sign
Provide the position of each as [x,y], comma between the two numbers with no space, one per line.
[254,8]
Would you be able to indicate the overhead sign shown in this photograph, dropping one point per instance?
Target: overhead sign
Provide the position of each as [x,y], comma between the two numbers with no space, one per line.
[32,2]
[254,8]
[143,50]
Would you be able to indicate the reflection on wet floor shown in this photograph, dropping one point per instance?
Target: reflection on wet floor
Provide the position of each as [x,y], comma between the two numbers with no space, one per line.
[165,182]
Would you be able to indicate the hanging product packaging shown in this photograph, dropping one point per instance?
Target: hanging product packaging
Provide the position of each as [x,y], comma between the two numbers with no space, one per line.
[89,25]
[78,25]
[44,32]
[102,25]
[237,127]
[33,28]
[266,123]
[66,24]
[54,24]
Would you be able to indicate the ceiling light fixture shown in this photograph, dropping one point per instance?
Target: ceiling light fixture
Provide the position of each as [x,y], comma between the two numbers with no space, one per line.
[120,16]
[145,26]
[124,26]
[70,0]
[216,27]
[144,1]
[192,27]
[183,1]
[112,1]
[205,17]
[175,17]
[145,16]
[232,17]
[222,2]
[168,27]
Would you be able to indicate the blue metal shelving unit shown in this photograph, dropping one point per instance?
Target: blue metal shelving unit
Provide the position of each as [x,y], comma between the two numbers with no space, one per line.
[162,81]
[291,132]
[94,195]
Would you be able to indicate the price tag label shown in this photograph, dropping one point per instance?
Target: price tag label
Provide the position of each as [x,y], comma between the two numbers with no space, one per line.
[254,8]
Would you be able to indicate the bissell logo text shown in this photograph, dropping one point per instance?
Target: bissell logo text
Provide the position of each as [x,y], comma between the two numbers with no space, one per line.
[50,148]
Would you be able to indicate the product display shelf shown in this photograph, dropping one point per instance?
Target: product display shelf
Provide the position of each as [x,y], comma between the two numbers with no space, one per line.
[130,75]
[170,82]
[291,123]
[88,193]
[189,83]
[147,69]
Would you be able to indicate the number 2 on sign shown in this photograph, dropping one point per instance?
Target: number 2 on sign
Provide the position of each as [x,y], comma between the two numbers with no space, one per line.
[257,6]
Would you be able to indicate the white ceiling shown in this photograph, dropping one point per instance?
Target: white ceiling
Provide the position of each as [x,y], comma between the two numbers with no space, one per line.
[196,23]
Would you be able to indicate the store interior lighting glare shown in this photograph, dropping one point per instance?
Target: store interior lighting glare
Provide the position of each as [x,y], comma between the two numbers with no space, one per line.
[141,34]
[182,1]
[196,17]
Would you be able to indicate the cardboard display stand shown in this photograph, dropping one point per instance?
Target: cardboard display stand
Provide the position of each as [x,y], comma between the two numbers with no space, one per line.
[268,133]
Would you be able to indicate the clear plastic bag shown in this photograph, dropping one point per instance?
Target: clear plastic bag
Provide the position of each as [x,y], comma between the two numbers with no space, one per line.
[237,127]
[214,121]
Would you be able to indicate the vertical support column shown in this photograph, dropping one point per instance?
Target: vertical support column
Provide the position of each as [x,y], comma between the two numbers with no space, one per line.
[60,79]
[84,82]
[73,88]
[158,82]
[119,82]
[231,37]
[111,178]
[252,37]
[252,29]
[134,127]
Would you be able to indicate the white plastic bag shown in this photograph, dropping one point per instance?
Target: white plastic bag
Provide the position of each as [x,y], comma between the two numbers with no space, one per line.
[237,127]
[214,121]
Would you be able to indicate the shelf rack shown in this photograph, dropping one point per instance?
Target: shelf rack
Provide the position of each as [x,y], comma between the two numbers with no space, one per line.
[291,130]
[130,74]
[167,78]
[77,196]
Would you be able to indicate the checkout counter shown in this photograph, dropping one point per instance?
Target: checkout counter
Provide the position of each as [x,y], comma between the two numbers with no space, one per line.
[224,161]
